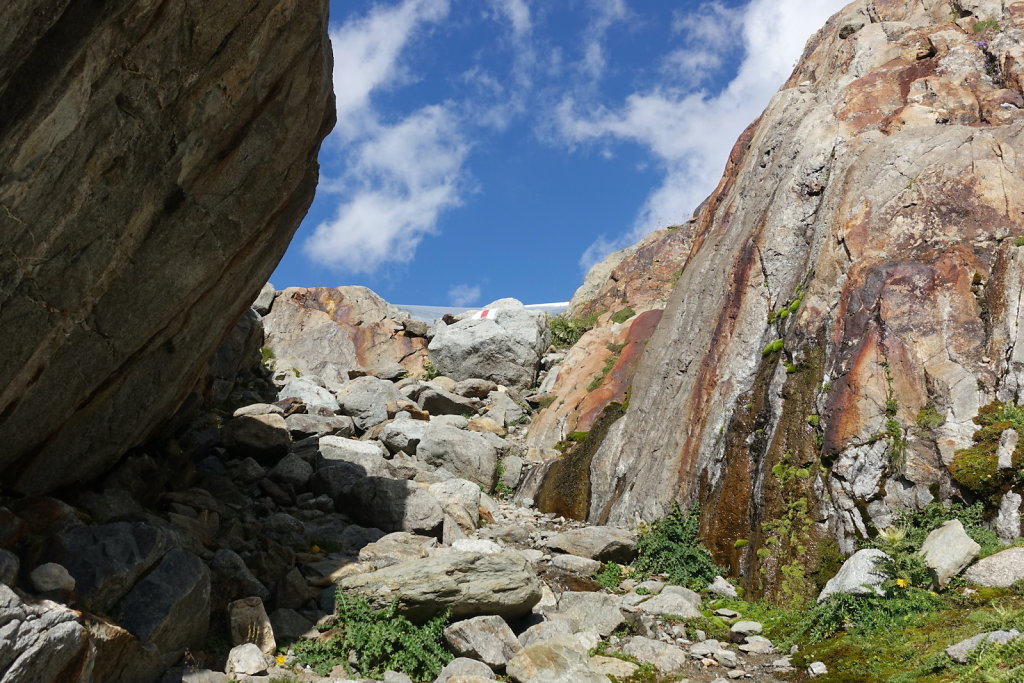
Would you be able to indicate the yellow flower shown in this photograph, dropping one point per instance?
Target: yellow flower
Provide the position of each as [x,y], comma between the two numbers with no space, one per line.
[280,659]
[902,583]
[316,548]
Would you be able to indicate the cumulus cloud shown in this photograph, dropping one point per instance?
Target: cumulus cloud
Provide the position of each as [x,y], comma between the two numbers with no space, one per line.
[605,14]
[518,14]
[691,131]
[462,296]
[399,176]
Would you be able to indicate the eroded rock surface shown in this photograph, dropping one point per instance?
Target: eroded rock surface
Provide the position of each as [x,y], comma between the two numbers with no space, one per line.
[157,158]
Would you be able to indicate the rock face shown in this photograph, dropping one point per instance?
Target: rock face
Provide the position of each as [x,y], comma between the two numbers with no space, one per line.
[156,165]
[850,299]
[328,332]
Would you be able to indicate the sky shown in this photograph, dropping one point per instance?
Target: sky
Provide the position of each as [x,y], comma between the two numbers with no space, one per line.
[499,148]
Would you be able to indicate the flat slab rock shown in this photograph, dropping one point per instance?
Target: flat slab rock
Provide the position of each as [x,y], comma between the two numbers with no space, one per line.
[1001,570]
[469,584]
[601,543]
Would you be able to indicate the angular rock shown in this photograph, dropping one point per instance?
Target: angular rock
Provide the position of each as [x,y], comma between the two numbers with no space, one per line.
[465,454]
[310,393]
[365,400]
[245,660]
[613,666]
[469,584]
[301,426]
[722,587]
[487,639]
[948,550]
[460,500]
[961,652]
[1002,569]
[262,437]
[504,348]
[393,505]
[554,661]
[462,667]
[265,299]
[475,388]
[403,434]
[857,576]
[232,577]
[602,543]
[396,548]
[672,600]
[151,223]
[665,657]
[589,611]
[249,623]
[440,402]
[739,631]
[546,630]
[1007,521]
[42,642]
[289,626]
[577,565]
[292,471]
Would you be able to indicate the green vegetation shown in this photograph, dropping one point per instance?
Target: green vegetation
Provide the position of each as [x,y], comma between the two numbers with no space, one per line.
[773,347]
[982,26]
[266,355]
[609,363]
[623,315]
[379,640]
[609,575]
[911,527]
[1018,241]
[565,331]
[429,371]
[671,546]
[929,418]
[977,468]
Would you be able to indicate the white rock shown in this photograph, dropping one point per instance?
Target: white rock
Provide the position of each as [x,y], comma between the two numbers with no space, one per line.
[246,659]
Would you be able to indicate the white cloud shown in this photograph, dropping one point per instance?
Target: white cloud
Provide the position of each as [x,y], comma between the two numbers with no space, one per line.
[518,14]
[404,176]
[606,14]
[690,131]
[399,175]
[463,295]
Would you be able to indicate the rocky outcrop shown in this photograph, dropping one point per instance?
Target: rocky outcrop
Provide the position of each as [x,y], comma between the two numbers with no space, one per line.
[329,332]
[850,298]
[157,158]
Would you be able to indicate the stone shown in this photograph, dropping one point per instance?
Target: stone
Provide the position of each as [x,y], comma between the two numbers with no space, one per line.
[485,425]
[1007,521]
[365,400]
[292,471]
[476,545]
[289,626]
[511,471]
[554,661]
[10,565]
[722,587]
[613,666]
[469,584]
[233,579]
[475,388]
[52,577]
[674,600]
[546,630]
[601,543]
[504,348]
[817,669]
[249,623]
[1007,444]
[332,332]
[961,652]
[459,499]
[666,658]
[589,611]
[245,660]
[393,505]
[739,631]
[169,609]
[258,409]
[857,576]
[265,299]
[465,454]
[948,550]
[396,548]
[42,641]
[577,565]
[440,402]
[142,272]
[403,435]
[487,639]
[1003,569]
[264,438]
[464,667]
[310,393]
[302,426]
[757,645]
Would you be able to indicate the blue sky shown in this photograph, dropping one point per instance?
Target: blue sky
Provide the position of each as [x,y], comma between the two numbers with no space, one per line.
[493,148]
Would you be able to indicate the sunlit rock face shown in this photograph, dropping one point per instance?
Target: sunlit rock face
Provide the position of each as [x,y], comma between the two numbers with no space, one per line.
[855,271]
[156,159]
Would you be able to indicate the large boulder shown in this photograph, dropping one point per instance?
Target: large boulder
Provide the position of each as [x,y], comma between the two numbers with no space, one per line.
[465,454]
[328,332]
[947,550]
[602,543]
[1003,569]
[859,575]
[42,642]
[366,400]
[468,584]
[393,505]
[151,183]
[554,661]
[504,347]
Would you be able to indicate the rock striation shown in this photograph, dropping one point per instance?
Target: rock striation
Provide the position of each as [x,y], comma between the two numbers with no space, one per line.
[157,158]
[850,300]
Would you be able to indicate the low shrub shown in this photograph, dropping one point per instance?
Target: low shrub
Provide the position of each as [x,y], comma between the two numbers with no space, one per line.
[671,546]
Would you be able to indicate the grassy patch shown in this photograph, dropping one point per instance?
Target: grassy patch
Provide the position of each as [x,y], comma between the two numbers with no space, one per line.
[623,315]
[565,331]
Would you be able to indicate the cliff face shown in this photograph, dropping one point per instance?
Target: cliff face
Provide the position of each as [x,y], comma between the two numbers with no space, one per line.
[851,297]
[156,159]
